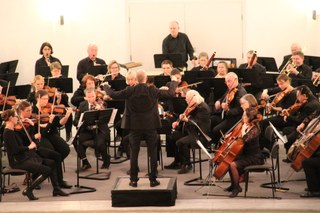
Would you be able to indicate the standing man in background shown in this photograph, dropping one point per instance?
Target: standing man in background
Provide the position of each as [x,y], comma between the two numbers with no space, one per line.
[90,61]
[177,42]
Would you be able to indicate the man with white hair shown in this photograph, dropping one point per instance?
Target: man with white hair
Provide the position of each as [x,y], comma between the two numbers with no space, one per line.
[142,119]
[90,61]
[178,42]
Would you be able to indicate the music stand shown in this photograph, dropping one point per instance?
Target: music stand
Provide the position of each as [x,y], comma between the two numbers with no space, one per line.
[91,118]
[175,58]
[161,80]
[8,67]
[62,84]
[12,77]
[96,70]
[268,62]
[46,72]
[179,105]
[277,137]
[78,189]
[20,91]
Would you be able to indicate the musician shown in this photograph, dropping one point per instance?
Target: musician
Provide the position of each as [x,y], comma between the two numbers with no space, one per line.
[166,66]
[50,136]
[285,97]
[228,109]
[90,61]
[250,154]
[46,51]
[203,59]
[308,104]
[255,87]
[61,98]
[101,138]
[114,68]
[178,42]
[222,69]
[311,167]
[37,84]
[302,71]
[88,82]
[197,111]
[24,110]
[294,48]
[26,158]
[143,120]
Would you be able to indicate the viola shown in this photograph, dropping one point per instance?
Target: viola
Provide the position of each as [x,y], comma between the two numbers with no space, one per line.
[26,124]
[187,112]
[279,96]
[230,96]
[51,91]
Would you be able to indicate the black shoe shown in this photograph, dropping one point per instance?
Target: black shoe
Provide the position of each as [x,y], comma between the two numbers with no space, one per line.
[29,194]
[59,192]
[286,160]
[104,166]
[173,165]
[185,169]
[154,183]
[310,194]
[133,183]
[63,184]
[228,189]
[85,167]
[235,192]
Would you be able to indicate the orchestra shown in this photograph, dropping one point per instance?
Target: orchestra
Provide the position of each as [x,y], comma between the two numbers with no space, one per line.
[236,124]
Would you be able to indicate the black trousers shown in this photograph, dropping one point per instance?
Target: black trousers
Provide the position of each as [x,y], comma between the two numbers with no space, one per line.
[55,142]
[184,144]
[311,168]
[151,138]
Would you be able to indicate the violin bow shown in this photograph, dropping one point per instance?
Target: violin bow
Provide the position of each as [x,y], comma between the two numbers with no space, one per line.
[5,98]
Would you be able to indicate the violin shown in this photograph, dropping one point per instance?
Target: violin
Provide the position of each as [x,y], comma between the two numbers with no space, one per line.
[186,113]
[26,124]
[279,96]
[51,91]
[295,107]
[230,96]
[10,100]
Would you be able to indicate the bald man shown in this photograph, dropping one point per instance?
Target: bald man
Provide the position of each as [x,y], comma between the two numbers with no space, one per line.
[142,119]
[90,61]
[178,42]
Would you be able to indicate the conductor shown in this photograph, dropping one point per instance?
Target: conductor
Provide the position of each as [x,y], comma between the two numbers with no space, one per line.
[143,120]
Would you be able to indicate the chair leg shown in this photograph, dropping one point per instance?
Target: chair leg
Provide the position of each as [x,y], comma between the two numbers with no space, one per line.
[246,178]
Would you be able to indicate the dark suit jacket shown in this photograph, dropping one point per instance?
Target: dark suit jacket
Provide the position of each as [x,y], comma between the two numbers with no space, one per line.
[84,65]
[257,85]
[305,72]
[83,107]
[234,106]
[141,105]
[286,59]
[200,115]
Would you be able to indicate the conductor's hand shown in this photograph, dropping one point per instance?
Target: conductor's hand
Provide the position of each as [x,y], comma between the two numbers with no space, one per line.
[164,88]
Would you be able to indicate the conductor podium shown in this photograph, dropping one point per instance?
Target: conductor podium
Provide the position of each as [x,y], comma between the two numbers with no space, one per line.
[165,194]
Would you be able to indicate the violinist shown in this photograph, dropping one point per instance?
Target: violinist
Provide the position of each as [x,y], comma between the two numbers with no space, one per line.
[250,154]
[228,109]
[255,87]
[102,138]
[88,82]
[24,110]
[203,59]
[62,99]
[222,69]
[285,97]
[37,84]
[199,112]
[46,51]
[49,124]
[25,157]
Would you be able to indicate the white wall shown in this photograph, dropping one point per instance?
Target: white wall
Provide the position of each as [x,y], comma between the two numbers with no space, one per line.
[269,26]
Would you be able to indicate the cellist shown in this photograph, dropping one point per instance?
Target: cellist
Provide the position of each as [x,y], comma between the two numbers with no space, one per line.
[250,154]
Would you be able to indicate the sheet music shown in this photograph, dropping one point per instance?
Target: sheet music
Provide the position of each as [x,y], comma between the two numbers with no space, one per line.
[278,134]
[113,116]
